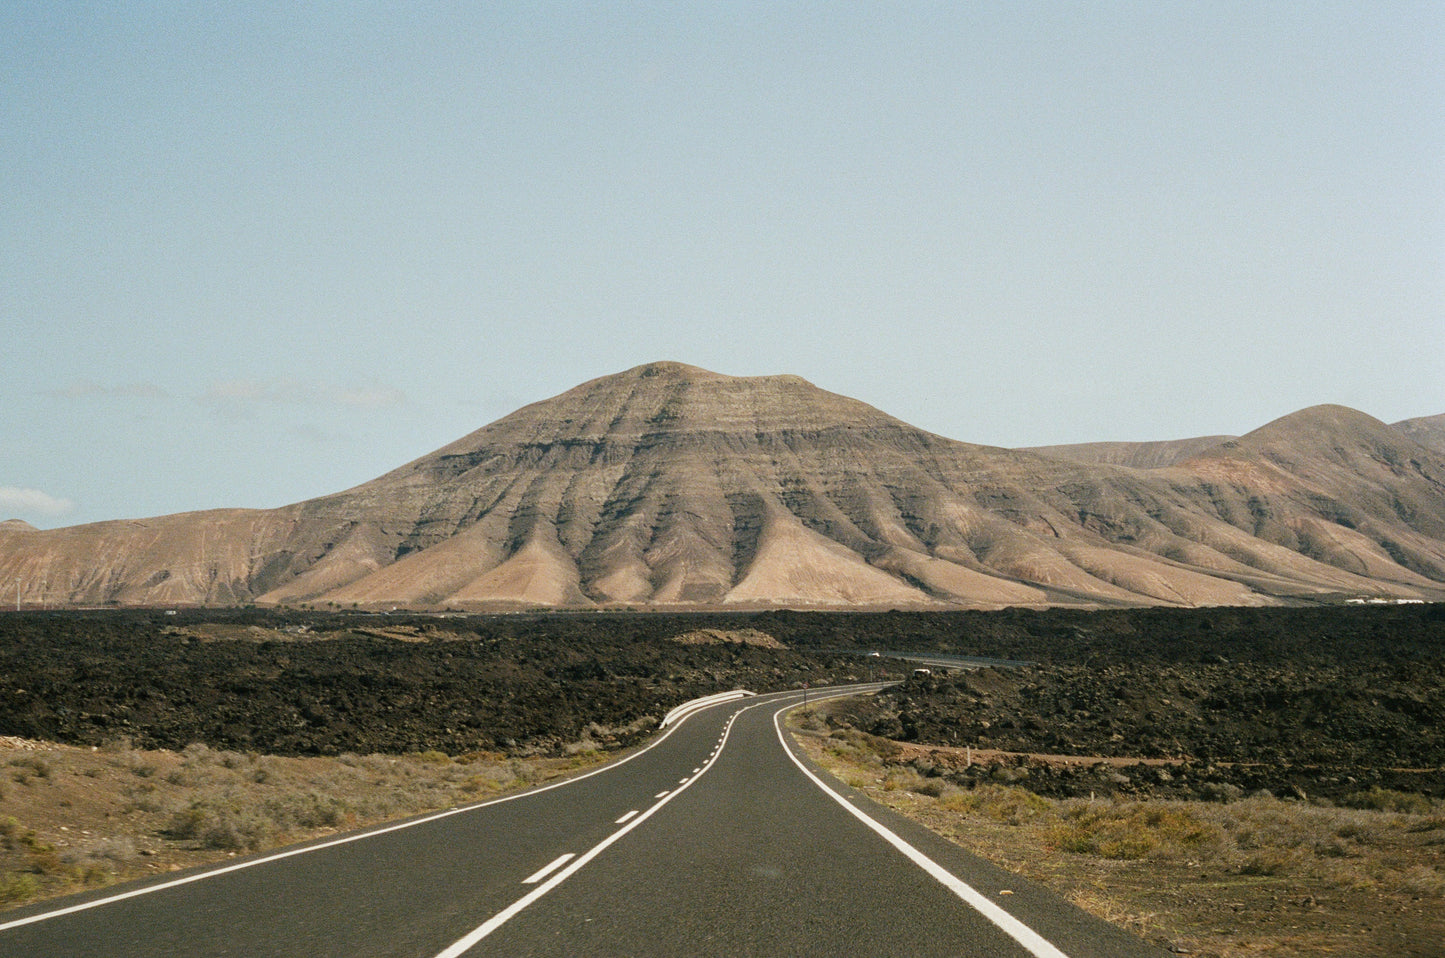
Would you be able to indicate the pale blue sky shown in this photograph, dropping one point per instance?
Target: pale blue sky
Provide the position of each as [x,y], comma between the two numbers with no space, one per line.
[254,253]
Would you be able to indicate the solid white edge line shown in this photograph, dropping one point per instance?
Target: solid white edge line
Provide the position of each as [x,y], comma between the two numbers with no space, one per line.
[238,866]
[548,869]
[347,839]
[465,944]
[1035,943]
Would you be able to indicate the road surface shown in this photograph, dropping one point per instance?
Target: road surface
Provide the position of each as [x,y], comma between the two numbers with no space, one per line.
[717,839]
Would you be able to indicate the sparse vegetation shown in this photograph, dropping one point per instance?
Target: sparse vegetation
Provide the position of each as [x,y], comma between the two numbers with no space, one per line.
[419,713]
[150,811]
[1249,877]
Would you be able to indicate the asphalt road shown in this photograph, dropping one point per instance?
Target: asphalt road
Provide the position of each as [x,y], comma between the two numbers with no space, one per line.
[715,840]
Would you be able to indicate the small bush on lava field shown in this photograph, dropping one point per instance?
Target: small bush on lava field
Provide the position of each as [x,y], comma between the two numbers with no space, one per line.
[1002,803]
[18,887]
[1388,800]
[28,767]
[222,827]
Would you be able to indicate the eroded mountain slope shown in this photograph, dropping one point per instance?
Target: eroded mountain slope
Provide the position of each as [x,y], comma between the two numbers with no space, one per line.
[670,485]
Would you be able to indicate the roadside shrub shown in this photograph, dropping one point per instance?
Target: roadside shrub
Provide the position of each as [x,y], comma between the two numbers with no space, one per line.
[184,777]
[582,747]
[1009,804]
[1268,861]
[237,832]
[307,811]
[119,849]
[1424,881]
[187,824]
[902,779]
[1220,792]
[476,785]
[222,828]
[1428,824]
[1388,800]
[1133,830]
[29,766]
[933,788]
[17,887]
[197,753]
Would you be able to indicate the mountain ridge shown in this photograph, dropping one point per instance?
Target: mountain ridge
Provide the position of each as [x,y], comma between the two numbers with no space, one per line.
[668,485]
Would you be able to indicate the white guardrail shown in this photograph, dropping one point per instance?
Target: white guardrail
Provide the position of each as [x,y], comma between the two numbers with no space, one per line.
[687,708]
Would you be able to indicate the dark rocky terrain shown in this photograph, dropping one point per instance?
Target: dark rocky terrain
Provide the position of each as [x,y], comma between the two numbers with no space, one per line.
[1324,701]
[1327,703]
[305,684]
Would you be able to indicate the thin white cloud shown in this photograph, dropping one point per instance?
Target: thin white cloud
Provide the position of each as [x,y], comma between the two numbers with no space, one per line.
[316,436]
[371,397]
[32,502]
[240,396]
[90,389]
[238,393]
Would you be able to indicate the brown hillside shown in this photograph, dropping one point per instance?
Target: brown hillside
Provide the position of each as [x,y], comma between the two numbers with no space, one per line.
[1136,455]
[668,485]
[1426,430]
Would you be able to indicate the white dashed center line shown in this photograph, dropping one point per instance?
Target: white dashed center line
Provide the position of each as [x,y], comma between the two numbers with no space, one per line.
[546,870]
[625,817]
[633,819]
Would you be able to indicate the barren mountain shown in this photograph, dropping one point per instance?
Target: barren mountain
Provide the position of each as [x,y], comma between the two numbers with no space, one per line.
[1138,455]
[1426,430]
[668,485]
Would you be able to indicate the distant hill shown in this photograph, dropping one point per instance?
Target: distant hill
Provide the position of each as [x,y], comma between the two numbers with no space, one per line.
[1427,431]
[1136,455]
[671,486]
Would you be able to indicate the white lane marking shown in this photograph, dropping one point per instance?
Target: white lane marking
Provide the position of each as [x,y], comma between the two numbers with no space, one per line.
[696,770]
[463,945]
[252,863]
[683,781]
[345,840]
[625,817]
[546,870]
[1035,943]
[660,795]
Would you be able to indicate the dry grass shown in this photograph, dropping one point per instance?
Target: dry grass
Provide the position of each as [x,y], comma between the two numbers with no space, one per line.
[1259,876]
[72,818]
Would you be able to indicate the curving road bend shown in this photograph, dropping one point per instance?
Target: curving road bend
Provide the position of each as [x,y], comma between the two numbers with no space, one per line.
[717,839]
